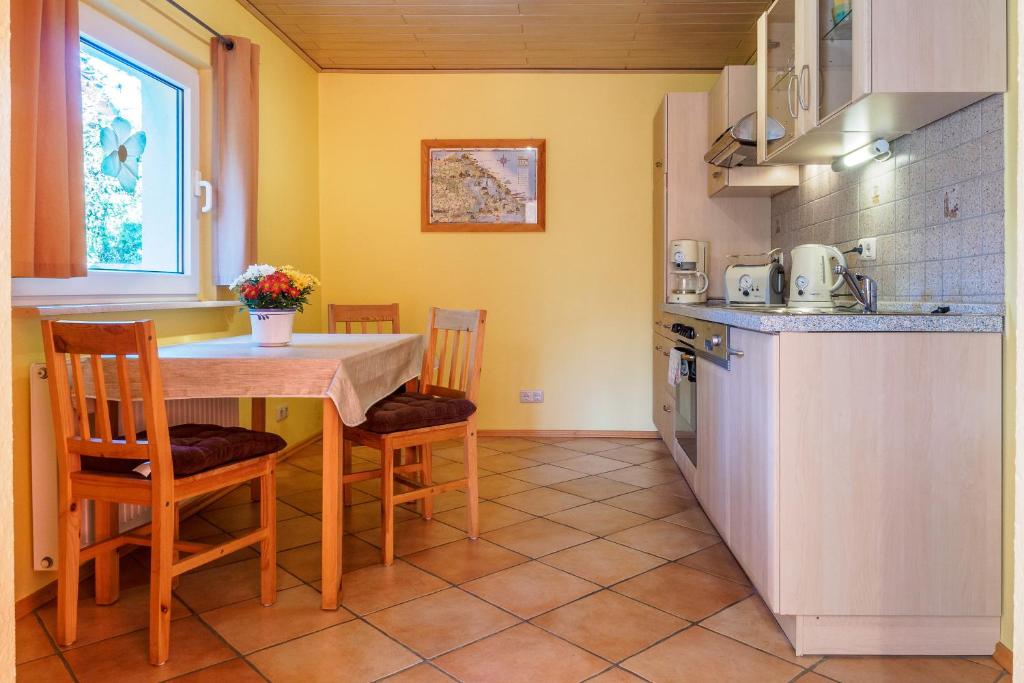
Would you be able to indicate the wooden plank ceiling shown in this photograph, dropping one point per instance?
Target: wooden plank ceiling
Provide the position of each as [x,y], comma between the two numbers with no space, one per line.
[525,35]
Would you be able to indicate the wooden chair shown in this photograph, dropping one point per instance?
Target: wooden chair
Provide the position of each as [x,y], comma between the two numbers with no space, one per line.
[108,477]
[361,314]
[449,384]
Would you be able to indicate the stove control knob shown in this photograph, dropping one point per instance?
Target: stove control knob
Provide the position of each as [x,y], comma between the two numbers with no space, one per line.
[716,341]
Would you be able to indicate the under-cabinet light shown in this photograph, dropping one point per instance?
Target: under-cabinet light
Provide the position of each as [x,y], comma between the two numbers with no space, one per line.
[879,149]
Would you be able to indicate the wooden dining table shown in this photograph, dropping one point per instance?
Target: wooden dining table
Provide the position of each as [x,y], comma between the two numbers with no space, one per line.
[347,372]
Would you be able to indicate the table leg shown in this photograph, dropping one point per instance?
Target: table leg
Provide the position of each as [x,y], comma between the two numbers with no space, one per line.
[332,526]
[259,424]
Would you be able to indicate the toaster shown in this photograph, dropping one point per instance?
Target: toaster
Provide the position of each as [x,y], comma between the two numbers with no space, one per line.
[759,285]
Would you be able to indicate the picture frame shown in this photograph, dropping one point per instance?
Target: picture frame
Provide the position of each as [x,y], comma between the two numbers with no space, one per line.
[483,185]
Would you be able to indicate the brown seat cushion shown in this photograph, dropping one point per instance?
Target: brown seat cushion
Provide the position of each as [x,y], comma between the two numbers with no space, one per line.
[401,412]
[196,448]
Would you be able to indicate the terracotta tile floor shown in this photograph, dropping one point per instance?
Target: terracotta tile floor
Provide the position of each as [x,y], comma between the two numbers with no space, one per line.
[595,564]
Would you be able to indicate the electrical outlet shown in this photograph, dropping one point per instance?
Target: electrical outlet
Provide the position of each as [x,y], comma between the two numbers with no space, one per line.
[282,413]
[869,249]
[531,396]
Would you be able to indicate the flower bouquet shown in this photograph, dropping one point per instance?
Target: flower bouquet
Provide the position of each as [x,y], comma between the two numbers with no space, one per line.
[273,295]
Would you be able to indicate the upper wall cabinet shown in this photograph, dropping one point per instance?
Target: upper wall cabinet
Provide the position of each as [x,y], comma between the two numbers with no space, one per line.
[837,74]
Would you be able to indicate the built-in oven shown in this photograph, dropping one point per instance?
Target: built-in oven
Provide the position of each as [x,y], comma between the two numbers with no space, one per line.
[693,339]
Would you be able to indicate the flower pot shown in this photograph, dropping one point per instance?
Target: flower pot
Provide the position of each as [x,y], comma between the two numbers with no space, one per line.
[272,326]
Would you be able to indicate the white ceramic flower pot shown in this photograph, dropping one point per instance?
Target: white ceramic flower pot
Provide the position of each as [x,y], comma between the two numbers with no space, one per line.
[271,326]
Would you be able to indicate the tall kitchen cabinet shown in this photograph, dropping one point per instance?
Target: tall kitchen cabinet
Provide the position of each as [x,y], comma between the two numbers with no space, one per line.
[858,487]
[836,81]
[682,207]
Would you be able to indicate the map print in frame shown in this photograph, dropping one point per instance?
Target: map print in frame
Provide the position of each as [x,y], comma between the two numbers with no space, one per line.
[482,185]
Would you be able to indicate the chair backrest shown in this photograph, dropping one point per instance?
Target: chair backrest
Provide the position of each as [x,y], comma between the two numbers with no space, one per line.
[454,356]
[80,360]
[362,314]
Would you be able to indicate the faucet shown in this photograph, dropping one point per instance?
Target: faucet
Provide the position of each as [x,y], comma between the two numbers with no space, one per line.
[863,288]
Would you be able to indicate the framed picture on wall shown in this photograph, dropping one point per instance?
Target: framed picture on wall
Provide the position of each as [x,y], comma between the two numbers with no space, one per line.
[482,185]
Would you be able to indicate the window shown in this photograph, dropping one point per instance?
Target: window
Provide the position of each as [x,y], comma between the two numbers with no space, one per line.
[139,136]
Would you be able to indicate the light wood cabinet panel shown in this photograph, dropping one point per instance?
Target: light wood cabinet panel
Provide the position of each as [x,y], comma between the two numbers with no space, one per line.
[890,473]
[714,436]
[751,181]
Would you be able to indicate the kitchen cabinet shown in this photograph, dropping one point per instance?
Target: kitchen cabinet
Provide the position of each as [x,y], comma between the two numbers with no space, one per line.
[885,68]
[662,399]
[733,96]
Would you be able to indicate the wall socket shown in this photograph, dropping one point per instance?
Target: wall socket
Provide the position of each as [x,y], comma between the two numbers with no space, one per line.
[282,413]
[869,249]
[531,396]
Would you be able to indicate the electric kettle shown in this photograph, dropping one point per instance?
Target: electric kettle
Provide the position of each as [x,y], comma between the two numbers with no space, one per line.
[811,278]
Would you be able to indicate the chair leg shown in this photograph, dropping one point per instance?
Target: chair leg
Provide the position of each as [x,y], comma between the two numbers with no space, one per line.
[346,461]
[69,545]
[107,567]
[161,563]
[473,494]
[387,504]
[268,546]
[427,479]
[176,555]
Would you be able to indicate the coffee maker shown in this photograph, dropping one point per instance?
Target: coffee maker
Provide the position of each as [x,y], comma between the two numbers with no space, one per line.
[688,278]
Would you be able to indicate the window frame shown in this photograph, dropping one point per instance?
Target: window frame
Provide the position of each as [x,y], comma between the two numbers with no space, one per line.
[104,286]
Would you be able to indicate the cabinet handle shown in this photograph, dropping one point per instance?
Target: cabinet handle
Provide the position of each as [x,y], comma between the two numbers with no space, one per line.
[666,408]
[665,353]
[716,174]
[657,164]
[789,96]
[659,347]
[805,103]
[734,352]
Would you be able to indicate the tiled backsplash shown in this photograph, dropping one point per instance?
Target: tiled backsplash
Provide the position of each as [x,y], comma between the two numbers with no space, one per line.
[936,207]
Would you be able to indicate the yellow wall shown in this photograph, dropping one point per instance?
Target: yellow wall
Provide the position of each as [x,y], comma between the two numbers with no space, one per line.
[569,310]
[288,217]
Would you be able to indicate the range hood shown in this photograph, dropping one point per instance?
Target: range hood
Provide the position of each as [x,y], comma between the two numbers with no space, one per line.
[737,146]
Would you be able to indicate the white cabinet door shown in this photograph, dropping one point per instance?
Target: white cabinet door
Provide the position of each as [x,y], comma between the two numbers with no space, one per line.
[738,460]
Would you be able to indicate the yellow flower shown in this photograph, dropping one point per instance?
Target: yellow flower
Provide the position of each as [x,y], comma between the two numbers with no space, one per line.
[302,281]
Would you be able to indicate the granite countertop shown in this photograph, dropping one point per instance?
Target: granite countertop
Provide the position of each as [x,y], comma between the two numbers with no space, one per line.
[892,317]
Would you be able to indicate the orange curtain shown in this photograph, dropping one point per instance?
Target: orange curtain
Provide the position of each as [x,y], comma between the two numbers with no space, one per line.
[48,196]
[236,77]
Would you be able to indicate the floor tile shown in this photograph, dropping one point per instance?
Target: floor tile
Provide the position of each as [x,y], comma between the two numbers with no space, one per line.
[542,501]
[221,537]
[677,488]
[905,670]
[291,533]
[492,516]
[456,454]
[456,470]
[207,589]
[292,479]
[638,475]
[245,516]
[631,454]
[665,463]
[505,444]
[811,677]
[545,474]
[235,670]
[415,534]
[196,527]
[530,589]
[549,439]
[421,673]
[97,622]
[311,502]
[126,658]
[441,622]
[449,500]
[701,656]
[237,496]
[31,641]
[670,541]
[547,453]
[465,560]
[598,519]
[503,462]
[367,516]
[352,652]
[537,537]
[523,654]
[610,625]
[985,661]
[377,587]
[305,561]
[589,445]
[656,446]
[616,675]
[682,591]
[248,626]
[592,464]
[693,518]
[750,622]
[719,561]
[595,488]
[602,561]
[499,485]
[45,670]
[650,503]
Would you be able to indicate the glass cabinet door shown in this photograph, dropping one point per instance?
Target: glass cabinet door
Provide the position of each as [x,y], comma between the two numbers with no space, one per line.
[835,55]
[781,73]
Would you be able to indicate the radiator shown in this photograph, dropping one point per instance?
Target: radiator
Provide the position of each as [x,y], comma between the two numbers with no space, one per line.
[221,411]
